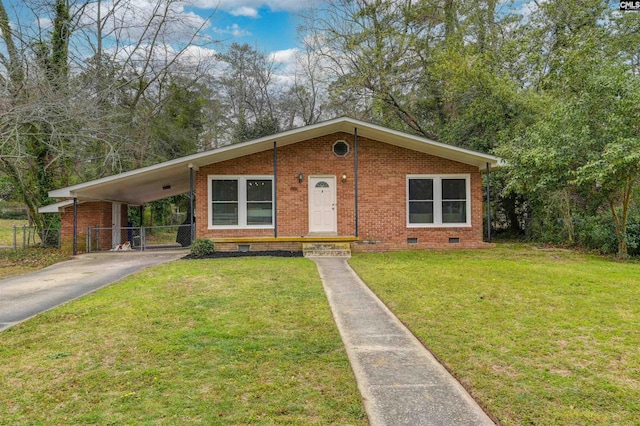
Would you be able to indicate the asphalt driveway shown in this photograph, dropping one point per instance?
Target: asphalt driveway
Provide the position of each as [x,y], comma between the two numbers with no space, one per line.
[27,295]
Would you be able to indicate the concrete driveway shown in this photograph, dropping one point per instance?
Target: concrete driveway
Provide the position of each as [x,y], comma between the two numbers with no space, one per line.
[27,295]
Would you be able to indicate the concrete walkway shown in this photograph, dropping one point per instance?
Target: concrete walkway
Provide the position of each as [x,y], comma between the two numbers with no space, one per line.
[27,295]
[400,381]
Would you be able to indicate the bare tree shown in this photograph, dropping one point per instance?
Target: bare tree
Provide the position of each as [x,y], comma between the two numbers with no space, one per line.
[249,90]
[80,93]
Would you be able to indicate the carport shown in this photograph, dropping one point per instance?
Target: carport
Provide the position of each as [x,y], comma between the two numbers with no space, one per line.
[98,201]
[103,204]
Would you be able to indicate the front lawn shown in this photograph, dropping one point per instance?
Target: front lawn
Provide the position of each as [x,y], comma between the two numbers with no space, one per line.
[540,337]
[224,341]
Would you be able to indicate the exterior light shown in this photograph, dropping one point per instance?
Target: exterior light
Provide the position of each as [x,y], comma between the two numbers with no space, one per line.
[300,177]
[344,177]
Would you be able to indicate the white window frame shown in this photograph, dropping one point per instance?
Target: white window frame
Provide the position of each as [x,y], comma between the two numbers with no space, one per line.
[437,201]
[242,201]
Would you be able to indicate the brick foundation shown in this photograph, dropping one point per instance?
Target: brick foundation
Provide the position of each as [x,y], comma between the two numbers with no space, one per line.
[261,246]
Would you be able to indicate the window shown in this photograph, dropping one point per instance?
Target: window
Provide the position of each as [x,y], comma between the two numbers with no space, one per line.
[454,201]
[259,202]
[438,200]
[420,200]
[224,196]
[340,148]
[241,202]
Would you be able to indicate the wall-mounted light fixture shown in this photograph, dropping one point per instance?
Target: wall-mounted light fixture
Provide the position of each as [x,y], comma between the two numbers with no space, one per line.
[344,177]
[300,177]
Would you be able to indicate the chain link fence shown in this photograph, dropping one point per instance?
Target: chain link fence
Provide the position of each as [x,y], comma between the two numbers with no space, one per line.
[28,236]
[103,239]
[138,238]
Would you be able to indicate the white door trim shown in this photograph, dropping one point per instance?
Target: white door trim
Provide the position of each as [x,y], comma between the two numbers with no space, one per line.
[116,224]
[323,212]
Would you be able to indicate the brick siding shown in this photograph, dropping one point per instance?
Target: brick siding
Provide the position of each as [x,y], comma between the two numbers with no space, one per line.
[382,193]
[92,214]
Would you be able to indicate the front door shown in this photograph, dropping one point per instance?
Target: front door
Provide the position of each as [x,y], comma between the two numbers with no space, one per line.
[116,215]
[322,205]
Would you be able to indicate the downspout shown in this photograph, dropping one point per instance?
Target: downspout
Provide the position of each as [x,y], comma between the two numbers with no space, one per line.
[488,203]
[275,190]
[355,173]
[191,212]
[75,226]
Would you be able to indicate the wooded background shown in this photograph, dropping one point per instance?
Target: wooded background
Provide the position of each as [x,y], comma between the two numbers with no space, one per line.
[553,89]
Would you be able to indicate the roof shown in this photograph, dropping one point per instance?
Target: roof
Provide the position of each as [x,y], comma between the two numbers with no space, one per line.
[169,178]
[56,207]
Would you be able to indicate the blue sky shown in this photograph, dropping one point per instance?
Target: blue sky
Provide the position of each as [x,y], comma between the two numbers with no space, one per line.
[269,30]
[268,25]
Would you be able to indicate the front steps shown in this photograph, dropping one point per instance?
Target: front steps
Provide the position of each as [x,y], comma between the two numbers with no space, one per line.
[326,249]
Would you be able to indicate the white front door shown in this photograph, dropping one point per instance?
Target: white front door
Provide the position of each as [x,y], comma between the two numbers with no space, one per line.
[322,204]
[116,210]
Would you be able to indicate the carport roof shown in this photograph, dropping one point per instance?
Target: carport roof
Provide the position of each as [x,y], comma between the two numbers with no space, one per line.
[162,180]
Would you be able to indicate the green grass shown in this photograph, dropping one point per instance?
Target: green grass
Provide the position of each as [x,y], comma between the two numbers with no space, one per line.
[6,231]
[541,337]
[225,341]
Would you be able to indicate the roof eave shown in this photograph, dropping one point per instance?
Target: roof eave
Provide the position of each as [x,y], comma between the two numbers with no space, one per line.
[343,124]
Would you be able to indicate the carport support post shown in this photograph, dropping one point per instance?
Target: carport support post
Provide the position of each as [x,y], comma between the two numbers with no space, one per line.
[488,203]
[75,226]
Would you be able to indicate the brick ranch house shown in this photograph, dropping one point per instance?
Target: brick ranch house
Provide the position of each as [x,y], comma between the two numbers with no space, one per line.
[340,180]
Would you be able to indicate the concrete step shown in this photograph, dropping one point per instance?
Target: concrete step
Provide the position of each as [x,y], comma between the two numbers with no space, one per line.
[326,249]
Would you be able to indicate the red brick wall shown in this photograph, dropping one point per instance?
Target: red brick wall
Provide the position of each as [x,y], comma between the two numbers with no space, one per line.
[93,214]
[382,192]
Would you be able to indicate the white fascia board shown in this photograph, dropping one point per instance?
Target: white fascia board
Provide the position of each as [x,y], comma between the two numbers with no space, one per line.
[56,207]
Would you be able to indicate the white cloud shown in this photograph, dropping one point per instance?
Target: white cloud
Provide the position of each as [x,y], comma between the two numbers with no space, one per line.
[287,62]
[232,5]
[249,12]
[285,57]
[134,20]
[44,23]
[233,30]
[197,54]
[156,58]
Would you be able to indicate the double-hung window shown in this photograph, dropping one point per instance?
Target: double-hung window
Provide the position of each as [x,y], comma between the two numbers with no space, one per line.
[241,202]
[438,200]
